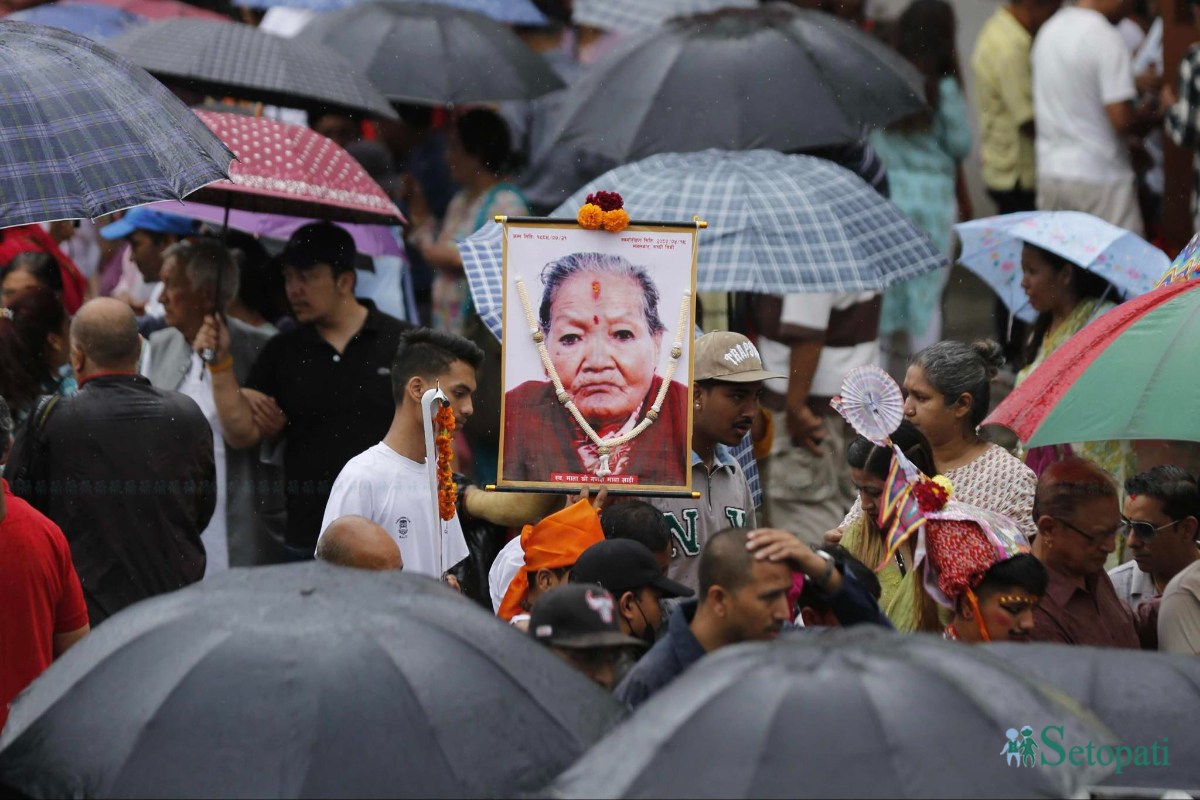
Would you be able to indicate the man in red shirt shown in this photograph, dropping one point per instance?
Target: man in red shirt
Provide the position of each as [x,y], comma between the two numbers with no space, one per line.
[42,612]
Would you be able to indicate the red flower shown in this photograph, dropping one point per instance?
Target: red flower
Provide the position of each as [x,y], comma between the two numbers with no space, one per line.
[930,497]
[608,201]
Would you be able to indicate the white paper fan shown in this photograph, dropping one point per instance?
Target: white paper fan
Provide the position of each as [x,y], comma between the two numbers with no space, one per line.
[871,402]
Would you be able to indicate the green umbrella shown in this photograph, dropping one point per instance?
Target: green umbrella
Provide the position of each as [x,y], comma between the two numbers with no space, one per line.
[1130,374]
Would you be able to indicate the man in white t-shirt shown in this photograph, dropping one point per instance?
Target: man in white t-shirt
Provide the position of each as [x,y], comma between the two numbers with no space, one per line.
[815,340]
[1083,95]
[389,482]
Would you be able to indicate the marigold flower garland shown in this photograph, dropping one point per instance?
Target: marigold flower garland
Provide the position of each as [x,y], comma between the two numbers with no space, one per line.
[444,442]
[603,210]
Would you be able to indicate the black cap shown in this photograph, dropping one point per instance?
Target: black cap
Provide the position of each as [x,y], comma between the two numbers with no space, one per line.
[320,243]
[623,565]
[578,615]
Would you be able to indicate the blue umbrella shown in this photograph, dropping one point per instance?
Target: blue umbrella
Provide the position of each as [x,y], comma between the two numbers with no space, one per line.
[991,248]
[85,133]
[510,12]
[776,224]
[92,20]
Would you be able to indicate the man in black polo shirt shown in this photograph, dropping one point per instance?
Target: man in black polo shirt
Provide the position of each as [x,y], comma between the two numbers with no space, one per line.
[325,385]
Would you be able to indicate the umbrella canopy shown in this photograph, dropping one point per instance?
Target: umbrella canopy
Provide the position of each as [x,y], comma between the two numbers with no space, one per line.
[293,171]
[302,681]
[231,58]
[843,713]
[1185,266]
[162,9]
[1145,698]
[991,248]
[93,20]
[509,12]
[370,240]
[427,53]
[1130,374]
[636,16]
[776,224]
[774,77]
[85,133]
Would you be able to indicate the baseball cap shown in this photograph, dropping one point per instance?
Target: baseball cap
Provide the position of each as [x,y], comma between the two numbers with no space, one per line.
[623,565]
[728,356]
[578,616]
[320,243]
[147,219]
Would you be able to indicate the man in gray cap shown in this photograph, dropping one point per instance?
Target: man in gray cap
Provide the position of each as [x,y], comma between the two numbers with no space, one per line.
[729,380]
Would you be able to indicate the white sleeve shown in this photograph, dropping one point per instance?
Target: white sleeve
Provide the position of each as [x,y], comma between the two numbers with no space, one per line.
[807,310]
[351,494]
[1115,69]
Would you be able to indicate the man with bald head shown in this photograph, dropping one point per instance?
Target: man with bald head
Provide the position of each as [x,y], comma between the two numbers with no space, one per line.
[354,541]
[125,469]
[1078,518]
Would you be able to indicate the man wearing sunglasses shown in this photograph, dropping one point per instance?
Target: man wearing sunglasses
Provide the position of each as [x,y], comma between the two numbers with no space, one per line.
[1160,525]
[1078,519]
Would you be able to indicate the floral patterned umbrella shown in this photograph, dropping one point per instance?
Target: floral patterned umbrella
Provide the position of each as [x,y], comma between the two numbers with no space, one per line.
[991,248]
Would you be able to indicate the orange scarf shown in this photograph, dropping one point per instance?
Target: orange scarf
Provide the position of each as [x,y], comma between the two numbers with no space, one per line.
[555,542]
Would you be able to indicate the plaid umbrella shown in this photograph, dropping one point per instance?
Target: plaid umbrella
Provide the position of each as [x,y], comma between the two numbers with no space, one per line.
[427,53]
[509,12]
[293,171]
[85,133]
[231,58]
[93,20]
[776,224]
[636,16]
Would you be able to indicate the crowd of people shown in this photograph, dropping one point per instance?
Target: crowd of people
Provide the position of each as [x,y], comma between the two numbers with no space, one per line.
[176,400]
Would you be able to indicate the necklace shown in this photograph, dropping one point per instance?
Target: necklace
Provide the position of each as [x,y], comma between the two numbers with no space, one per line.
[605,445]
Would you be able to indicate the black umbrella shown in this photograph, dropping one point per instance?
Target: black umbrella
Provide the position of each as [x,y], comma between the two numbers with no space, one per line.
[228,58]
[427,53]
[775,77]
[1145,698]
[854,713]
[301,681]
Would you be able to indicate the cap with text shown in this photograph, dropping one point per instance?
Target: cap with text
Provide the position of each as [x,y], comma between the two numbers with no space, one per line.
[731,357]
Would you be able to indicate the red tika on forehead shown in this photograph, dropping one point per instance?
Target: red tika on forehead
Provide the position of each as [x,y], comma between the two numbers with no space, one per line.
[596,289]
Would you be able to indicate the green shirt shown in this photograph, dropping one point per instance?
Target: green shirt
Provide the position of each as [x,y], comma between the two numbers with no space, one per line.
[1004,87]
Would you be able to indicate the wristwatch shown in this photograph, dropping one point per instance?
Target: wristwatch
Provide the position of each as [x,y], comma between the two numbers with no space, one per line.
[823,581]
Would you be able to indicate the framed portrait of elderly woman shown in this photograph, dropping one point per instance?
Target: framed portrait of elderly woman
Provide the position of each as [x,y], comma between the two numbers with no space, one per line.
[597,357]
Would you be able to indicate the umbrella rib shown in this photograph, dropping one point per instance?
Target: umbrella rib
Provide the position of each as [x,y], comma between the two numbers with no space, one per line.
[1158,368]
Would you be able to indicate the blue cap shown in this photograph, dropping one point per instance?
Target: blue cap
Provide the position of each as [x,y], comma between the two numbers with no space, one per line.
[146,219]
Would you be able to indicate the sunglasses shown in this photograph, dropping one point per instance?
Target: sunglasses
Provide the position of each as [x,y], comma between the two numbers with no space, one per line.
[1094,538]
[1144,530]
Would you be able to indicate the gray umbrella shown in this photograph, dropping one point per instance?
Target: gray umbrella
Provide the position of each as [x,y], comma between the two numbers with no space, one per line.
[1146,698]
[845,713]
[302,681]
[224,58]
[428,53]
[774,77]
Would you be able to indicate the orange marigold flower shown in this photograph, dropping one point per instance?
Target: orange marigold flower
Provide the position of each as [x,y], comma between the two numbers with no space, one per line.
[616,220]
[590,216]
[444,444]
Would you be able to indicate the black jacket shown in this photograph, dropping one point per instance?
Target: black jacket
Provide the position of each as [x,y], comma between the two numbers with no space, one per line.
[127,472]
